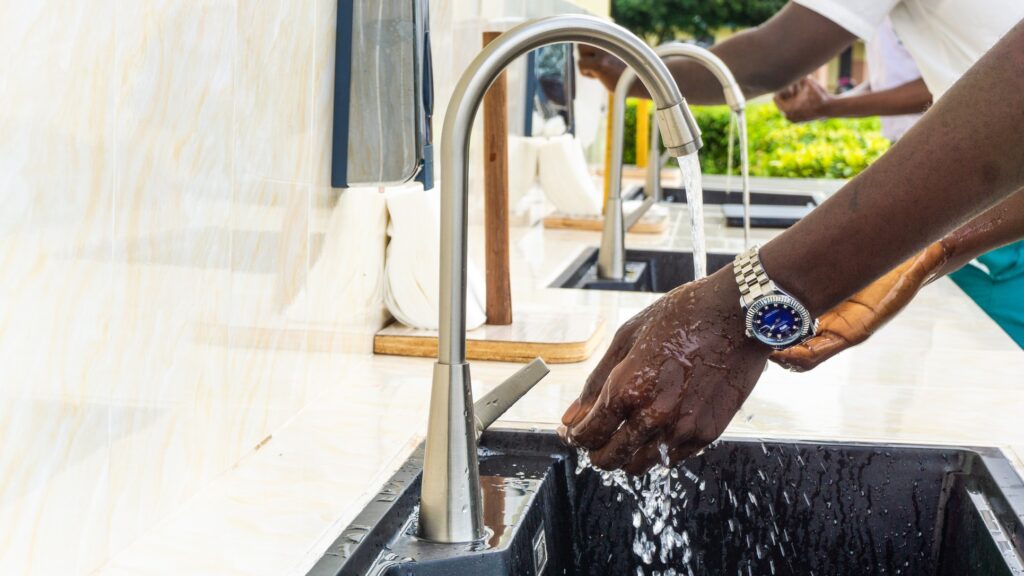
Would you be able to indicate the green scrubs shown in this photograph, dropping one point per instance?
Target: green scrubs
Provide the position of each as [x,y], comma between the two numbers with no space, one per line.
[1000,290]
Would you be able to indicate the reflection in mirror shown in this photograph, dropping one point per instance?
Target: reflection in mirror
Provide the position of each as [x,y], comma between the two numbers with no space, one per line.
[551,88]
[381,93]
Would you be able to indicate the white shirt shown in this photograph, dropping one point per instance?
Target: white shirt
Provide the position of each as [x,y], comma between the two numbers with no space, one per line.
[945,37]
[889,66]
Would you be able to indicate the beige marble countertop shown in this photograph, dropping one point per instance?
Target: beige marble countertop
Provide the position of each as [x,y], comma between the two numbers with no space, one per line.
[941,373]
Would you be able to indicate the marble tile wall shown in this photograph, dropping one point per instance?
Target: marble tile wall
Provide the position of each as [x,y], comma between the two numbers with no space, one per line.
[164,169]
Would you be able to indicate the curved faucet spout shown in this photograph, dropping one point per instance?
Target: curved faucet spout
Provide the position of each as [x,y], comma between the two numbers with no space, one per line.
[611,259]
[450,507]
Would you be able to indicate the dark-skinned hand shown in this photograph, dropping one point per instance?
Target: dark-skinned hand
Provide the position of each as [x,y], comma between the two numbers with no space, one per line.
[600,65]
[803,101]
[856,319]
[675,375]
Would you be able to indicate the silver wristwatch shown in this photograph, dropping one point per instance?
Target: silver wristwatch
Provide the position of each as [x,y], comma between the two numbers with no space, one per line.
[772,316]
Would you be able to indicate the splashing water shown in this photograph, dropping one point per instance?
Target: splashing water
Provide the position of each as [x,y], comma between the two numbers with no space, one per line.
[661,498]
[689,166]
[657,497]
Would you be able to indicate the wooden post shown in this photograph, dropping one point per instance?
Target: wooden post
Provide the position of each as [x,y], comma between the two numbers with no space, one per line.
[496,243]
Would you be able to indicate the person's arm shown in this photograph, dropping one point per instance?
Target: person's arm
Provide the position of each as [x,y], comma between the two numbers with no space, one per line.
[790,45]
[854,320]
[808,100]
[959,160]
[676,374]
[998,227]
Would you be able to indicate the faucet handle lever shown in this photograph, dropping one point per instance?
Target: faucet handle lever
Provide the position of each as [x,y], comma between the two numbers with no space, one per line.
[498,401]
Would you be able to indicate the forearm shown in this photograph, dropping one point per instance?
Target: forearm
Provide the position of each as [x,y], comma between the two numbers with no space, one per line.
[790,45]
[910,98]
[963,157]
[997,227]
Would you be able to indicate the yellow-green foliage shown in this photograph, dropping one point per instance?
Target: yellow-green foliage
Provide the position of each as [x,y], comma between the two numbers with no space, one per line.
[824,149]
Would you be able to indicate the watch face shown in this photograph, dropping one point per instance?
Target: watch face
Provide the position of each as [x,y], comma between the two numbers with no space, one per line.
[778,321]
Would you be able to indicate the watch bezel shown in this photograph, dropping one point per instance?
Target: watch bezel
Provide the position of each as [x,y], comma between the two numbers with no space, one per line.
[807,325]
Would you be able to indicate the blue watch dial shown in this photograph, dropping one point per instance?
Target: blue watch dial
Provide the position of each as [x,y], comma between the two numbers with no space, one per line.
[777,323]
[777,320]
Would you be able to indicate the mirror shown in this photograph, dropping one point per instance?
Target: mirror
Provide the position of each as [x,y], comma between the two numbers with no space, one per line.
[550,87]
[382,93]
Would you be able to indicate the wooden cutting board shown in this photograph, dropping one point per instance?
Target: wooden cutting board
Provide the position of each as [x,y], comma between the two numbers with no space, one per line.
[648,224]
[557,338]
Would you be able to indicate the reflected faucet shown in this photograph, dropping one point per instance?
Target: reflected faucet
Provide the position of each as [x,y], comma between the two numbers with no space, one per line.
[611,257]
[450,503]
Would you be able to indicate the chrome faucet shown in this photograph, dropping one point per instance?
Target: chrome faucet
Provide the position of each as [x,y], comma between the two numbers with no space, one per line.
[450,503]
[611,258]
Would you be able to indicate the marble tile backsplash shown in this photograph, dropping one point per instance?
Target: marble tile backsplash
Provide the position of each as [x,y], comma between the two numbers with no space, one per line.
[165,175]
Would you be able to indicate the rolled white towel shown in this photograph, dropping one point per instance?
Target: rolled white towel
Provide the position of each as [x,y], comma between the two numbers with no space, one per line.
[565,178]
[346,283]
[554,126]
[522,167]
[411,289]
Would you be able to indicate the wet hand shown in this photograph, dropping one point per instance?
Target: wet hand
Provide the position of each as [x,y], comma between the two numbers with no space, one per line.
[598,64]
[674,375]
[803,101]
[863,314]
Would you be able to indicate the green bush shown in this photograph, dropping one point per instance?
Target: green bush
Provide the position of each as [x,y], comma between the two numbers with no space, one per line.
[839,148]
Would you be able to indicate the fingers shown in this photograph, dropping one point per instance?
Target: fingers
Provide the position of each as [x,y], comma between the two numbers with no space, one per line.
[643,459]
[596,63]
[590,60]
[573,411]
[620,346]
[811,353]
[632,435]
[790,91]
[651,453]
[596,428]
[681,433]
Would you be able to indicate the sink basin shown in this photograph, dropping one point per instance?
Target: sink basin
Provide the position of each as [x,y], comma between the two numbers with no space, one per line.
[646,271]
[762,216]
[767,209]
[753,507]
[713,196]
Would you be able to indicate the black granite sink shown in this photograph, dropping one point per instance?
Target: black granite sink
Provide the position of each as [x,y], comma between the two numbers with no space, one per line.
[752,507]
[715,196]
[646,271]
[767,209]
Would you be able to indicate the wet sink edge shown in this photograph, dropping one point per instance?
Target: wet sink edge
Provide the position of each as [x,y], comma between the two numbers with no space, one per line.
[988,473]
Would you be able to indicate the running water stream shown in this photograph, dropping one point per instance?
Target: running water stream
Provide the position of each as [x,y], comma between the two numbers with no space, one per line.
[729,154]
[738,121]
[689,166]
[657,496]
[741,122]
[655,491]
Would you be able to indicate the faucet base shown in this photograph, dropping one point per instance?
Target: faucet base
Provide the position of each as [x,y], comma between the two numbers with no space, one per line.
[450,509]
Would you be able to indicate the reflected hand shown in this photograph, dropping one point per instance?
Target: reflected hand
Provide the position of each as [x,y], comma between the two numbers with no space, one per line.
[596,63]
[864,313]
[674,375]
[803,101]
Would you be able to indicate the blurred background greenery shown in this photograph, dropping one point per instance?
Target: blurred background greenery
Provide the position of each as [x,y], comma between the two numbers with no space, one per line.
[823,149]
[839,148]
[662,20]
